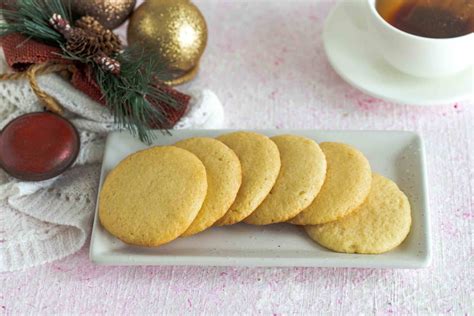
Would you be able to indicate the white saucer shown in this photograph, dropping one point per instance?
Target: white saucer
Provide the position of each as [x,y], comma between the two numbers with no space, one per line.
[351,55]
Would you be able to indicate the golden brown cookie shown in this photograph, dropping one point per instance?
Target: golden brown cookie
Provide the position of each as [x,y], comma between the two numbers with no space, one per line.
[346,186]
[224,176]
[260,161]
[302,173]
[153,196]
[380,224]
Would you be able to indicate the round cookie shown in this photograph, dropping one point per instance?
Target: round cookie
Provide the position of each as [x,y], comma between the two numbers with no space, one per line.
[224,176]
[153,196]
[302,173]
[347,184]
[260,161]
[380,224]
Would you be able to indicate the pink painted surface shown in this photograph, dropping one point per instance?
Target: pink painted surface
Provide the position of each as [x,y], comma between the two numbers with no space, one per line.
[266,63]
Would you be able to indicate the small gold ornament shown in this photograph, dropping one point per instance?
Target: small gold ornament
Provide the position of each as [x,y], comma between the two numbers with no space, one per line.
[110,13]
[174,30]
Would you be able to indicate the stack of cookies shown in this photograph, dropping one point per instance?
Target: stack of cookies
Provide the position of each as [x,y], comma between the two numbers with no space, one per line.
[159,194]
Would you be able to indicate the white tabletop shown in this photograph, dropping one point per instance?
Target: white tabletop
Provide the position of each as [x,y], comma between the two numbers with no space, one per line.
[266,63]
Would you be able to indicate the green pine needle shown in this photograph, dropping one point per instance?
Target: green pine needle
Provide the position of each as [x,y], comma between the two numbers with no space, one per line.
[32,19]
[132,96]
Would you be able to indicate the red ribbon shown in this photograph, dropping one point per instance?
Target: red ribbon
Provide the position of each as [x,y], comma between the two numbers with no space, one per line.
[21,53]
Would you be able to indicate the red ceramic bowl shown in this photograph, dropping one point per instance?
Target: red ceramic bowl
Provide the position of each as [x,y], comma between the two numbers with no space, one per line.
[38,146]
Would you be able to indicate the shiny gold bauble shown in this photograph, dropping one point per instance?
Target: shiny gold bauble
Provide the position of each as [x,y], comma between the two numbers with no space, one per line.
[173,30]
[110,13]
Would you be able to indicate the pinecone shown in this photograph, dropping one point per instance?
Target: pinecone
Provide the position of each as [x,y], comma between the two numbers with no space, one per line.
[90,40]
[82,43]
[108,64]
[107,41]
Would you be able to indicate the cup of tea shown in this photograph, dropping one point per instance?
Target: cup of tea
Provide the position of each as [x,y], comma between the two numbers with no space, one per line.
[424,38]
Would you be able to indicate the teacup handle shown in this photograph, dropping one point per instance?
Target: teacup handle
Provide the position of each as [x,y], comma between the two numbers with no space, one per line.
[357,11]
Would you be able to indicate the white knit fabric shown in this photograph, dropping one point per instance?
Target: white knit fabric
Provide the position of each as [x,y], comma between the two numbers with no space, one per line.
[45,221]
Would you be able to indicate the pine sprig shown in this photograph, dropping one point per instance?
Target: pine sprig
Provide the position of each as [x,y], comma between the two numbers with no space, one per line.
[134,96]
[32,19]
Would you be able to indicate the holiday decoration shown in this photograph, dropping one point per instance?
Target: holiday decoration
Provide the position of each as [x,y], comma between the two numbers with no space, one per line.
[38,146]
[8,4]
[89,40]
[175,32]
[126,80]
[109,13]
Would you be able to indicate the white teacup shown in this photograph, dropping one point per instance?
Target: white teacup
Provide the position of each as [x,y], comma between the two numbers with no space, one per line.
[414,55]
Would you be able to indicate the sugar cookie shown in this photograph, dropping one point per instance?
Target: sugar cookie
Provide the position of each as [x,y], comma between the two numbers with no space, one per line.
[346,186]
[224,176]
[302,173]
[153,196]
[260,161]
[380,224]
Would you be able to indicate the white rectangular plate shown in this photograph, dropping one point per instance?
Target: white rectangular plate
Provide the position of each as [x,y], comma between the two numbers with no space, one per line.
[397,155]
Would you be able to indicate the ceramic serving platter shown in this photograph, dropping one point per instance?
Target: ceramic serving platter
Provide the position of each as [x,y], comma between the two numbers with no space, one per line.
[397,155]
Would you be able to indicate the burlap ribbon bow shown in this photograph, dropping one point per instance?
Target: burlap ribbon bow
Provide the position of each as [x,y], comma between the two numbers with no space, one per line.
[30,58]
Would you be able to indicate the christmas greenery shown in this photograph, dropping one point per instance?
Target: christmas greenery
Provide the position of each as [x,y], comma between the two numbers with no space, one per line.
[31,18]
[136,84]
[133,95]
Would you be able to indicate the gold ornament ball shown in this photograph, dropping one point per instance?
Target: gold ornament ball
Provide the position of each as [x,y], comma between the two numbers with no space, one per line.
[110,13]
[173,30]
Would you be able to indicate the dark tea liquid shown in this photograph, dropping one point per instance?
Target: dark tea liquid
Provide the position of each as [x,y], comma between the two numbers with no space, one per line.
[429,18]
